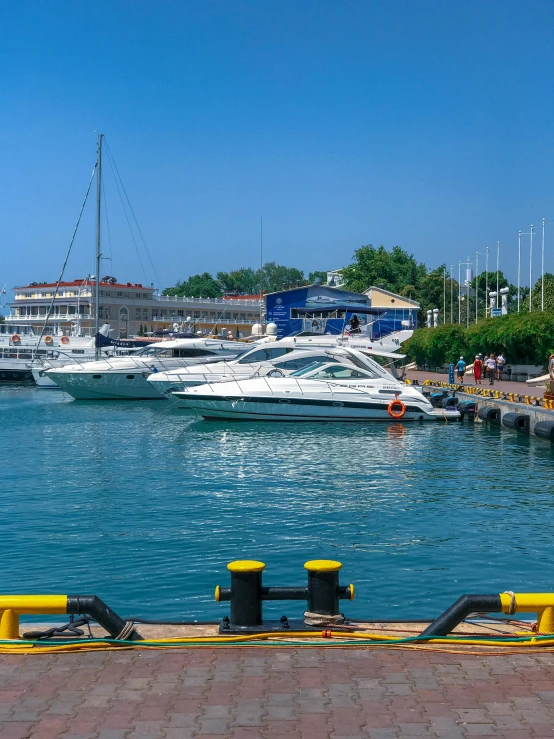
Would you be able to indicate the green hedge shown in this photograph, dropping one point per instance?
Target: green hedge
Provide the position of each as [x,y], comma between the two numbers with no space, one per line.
[525,338]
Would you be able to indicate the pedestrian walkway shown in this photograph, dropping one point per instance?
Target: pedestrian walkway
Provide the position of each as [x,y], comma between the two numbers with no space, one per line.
[239,693]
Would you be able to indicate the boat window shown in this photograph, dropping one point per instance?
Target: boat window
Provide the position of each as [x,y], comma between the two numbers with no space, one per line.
[296,364]
[161,351]
[309,368]
[193,353]
[341,372]
[264,355]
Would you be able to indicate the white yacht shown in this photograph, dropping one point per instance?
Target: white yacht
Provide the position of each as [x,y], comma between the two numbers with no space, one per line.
[356,390]
[126,377]
[20,347]
[274,359]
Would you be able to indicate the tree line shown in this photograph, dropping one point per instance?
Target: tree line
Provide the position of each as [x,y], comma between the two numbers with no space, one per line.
[396,270]
[270,278]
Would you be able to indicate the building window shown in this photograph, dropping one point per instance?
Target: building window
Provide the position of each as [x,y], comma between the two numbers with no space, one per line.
[119,295]
[101,312]
[108,311]
[144,295]
[163,312]
[145,314]
[138,314]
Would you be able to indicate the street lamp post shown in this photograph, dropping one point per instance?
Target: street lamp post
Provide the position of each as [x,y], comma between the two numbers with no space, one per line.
[476,286]
[451,294]
[531,269]
[459,292]
[487,282]
[497,267]
[444,296]
[542,266]
[518,270]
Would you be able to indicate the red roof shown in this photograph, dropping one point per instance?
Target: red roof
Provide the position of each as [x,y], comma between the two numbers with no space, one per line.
[78,283]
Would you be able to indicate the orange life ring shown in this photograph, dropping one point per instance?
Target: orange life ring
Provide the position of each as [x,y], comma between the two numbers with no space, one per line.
[398,403]
[65,339]
[48,340]
[16,338]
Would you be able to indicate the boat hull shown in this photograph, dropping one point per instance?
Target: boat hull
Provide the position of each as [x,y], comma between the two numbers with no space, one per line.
[108,386]
[303,409]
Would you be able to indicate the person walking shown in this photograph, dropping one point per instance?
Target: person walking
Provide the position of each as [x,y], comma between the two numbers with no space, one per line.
[477,369]
[461,369]
[500,362]
[490,364]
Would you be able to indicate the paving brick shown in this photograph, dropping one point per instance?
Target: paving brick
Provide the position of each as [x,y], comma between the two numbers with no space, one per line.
[294,694]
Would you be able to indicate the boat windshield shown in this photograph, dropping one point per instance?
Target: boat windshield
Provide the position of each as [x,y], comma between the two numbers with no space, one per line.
[341,372]
[309,368]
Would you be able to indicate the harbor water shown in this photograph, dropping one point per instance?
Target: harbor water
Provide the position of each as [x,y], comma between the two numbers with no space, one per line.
[144,505]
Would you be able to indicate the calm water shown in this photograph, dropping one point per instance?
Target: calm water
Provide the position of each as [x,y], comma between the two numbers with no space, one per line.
[144,506]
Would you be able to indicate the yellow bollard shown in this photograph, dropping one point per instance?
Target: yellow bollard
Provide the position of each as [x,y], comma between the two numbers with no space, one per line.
[545,621]
[9,625]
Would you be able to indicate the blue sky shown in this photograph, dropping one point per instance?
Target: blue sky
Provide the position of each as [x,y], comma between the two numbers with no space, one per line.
[343,122]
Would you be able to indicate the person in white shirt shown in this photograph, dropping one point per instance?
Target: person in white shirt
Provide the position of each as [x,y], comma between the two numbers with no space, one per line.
[500,362]
[490,364]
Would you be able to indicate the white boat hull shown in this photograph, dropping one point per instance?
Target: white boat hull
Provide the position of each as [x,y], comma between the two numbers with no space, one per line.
[306,409]
[106,386]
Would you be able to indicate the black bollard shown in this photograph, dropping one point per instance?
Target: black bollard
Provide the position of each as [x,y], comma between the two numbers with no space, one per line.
[246,592]
[323,586]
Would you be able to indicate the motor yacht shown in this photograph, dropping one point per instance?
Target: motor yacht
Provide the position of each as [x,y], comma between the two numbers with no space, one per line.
[357,390]
[275,359]
[126,377]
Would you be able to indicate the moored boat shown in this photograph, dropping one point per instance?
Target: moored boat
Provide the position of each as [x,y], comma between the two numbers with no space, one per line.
[361,390]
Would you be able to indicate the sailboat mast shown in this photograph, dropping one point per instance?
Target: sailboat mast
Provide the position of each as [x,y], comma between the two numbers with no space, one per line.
[98,251]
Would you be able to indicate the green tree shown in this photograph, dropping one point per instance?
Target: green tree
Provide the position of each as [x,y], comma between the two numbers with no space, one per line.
[536,302]
[197,286]
[275,276]
[318,273]
[395,269]
[245,281]
[2,319]
[526,338]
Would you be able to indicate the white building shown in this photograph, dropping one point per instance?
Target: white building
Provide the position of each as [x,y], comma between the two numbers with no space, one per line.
[126,307]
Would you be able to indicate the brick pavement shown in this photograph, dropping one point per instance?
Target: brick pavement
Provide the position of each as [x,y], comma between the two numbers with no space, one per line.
[275,694]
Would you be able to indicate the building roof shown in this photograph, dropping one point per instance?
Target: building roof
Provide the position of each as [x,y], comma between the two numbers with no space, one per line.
[392,295]
[79,283]
[304,287]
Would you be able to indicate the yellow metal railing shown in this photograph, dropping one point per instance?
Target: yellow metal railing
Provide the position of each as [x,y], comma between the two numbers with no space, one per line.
[13,606]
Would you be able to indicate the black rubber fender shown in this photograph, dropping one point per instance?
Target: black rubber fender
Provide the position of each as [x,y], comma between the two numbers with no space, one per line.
[545,430]
[490,414]
[517,421]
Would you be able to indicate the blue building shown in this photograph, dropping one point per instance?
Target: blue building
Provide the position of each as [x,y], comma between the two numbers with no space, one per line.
[323,309]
